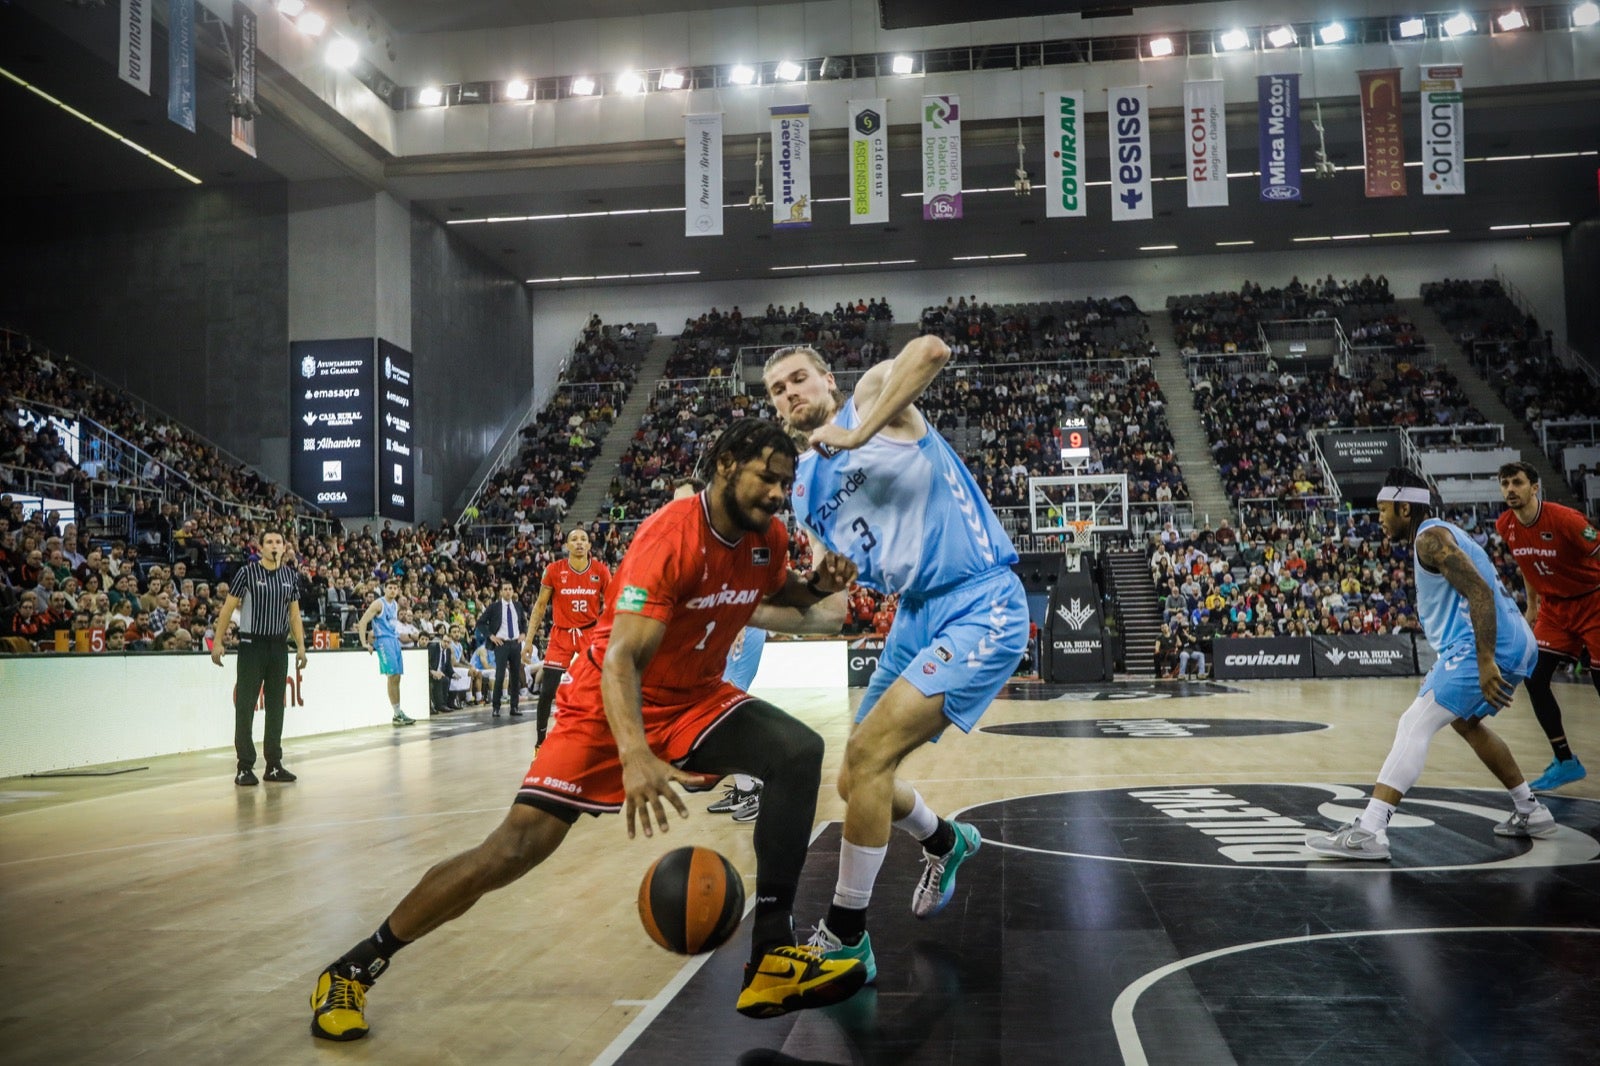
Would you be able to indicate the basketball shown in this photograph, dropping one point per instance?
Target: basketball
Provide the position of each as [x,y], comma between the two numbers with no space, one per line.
[690,900]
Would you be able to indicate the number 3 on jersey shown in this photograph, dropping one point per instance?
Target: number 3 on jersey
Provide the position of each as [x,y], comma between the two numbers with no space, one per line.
[868,540]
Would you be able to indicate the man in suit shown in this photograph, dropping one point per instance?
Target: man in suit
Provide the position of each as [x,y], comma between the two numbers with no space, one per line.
[441,670]
[504,626]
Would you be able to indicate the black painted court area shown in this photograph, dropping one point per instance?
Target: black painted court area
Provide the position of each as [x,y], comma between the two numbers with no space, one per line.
[1112,691]
[1187,925]
[1153,728]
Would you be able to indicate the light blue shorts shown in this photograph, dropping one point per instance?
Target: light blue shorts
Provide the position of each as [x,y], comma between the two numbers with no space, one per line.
[963,645]
[744,658]
[389,661]
[1453,680]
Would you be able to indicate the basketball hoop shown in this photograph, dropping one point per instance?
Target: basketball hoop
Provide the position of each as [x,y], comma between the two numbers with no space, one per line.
[1077,540]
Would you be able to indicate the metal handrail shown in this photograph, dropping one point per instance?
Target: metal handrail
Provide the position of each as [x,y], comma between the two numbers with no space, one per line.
[1564,354]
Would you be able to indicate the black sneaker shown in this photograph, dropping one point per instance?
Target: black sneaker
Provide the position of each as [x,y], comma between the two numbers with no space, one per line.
[279,774]
[246,777]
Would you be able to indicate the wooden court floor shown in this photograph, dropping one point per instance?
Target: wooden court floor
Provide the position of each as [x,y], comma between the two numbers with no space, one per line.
[1115,914]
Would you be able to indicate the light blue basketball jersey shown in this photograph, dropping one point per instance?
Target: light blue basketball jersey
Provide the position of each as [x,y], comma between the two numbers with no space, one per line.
[383,623]
[1446,618]
[909,515]
[744,658]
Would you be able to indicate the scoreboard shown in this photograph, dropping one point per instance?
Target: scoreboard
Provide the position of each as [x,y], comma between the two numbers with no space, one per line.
[1074,441]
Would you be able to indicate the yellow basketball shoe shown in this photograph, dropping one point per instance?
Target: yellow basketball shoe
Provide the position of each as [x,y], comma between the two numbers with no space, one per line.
[795,978]
[338,1007]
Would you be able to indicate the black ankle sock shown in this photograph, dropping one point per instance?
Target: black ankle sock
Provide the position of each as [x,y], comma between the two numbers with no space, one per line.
[774,921]
[847,923]
[368,959]
[1563,752]
[941,840]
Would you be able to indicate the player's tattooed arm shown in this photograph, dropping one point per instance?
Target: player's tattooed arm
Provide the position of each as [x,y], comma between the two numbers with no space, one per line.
[1438,551]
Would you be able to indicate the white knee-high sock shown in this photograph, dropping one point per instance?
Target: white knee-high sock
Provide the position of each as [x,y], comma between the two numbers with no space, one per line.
[1422,720]
[858,871]
[921,822]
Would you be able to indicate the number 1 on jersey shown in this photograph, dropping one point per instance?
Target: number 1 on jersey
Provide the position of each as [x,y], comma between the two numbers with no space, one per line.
[702,645]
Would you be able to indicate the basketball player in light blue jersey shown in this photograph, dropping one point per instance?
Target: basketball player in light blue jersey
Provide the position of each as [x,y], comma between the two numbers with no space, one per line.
[882,487]
[1485,650]
[383,614]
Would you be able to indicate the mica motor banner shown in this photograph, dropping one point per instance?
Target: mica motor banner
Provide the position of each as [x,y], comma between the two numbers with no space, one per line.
[1278,101]
[1128,119]
[1443,172]
[702,175]
[869,162]
[1382,138]
[791,166]
[1063,156]
[1205,143]
[941,158]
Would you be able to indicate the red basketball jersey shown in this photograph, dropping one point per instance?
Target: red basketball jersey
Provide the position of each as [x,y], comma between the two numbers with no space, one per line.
[1556,553]
[577,597]
[679,571]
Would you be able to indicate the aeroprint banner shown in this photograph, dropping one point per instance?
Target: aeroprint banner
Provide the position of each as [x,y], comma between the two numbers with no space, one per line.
[791,166]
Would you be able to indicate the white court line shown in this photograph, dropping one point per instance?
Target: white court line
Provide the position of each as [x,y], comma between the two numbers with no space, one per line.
[1122,1022]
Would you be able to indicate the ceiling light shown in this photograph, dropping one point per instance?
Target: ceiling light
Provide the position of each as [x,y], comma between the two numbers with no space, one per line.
[1511,20]
[787,70]
[1413,27]
[670,79]
[902,64]
[341,53]
[1158,247]
[311,24]
[630,84]
[582,86]
[742,75]
[516,89]
[1586,14]
[1282,37]
[1332,33]
[1160,46]
[291,8]
[430,96]
[1458,24]
[1233,40]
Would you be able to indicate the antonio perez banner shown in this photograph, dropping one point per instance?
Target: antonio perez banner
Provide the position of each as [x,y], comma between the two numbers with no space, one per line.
[1278,98]
[702,175]
[791,166]
[1382,139]
[1442,170]
[1063,157]
[1205,142]
[869,162]
[941,158]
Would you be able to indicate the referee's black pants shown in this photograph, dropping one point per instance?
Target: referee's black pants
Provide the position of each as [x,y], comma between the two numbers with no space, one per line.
[263,663]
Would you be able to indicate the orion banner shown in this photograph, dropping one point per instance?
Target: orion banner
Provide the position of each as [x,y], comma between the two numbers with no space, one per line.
[1063,157]
[133,44]
[941,158]
[1442,171]
[1128,118]
[1205,143]
[1382,138]
[791,166]
[180,63]
[869,162]
[243,130]
[1278,100]
[702,175]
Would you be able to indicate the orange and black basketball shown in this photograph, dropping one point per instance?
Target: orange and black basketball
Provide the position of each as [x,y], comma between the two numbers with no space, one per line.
[690,900]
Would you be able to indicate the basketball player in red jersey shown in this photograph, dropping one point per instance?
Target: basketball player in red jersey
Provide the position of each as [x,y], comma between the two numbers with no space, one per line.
[576,586]
[645,705]
[1554,547]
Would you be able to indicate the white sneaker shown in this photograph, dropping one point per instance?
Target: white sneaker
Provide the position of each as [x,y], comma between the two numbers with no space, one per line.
[1538,822]
[1351,842]
[748,807]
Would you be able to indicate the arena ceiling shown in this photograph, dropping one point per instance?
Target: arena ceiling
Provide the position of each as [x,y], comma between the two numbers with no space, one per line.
[432,16]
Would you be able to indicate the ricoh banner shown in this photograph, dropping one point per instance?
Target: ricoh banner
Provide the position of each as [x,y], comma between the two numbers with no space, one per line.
[1205,143]
[1261,657]
[1063,157]
[869,162]
[133,44]
[1278,100]
[1364,655]
[1442,171]
[702,175]
[334,432]
[1382,137]
[941,158]
[791,166]
[1128,119]
[397,465]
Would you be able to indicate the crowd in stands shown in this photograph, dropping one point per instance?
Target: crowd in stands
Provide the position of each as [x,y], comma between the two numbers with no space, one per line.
[709,345]
[1225,322]
[978,331]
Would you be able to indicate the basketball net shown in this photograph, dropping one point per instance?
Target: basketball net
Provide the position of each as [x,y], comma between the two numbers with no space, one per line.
[1079,539]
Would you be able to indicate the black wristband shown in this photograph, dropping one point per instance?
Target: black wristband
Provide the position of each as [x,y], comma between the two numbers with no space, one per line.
[811,586]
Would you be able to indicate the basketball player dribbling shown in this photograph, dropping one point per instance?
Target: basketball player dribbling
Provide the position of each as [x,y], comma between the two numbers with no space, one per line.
[575,589]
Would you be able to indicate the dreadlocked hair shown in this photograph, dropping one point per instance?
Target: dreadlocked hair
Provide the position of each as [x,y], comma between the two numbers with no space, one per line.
[746,439]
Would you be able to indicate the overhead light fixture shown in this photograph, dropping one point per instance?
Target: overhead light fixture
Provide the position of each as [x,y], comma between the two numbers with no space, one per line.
[902,64]
[787,70]
[1458,24]
[1160,46]
[1332,33]
[1413,27]
[1511,20]
[341,53]
[582,85]
[310,23]
[630,84]
[1282,37]
[1233,40]
[742,75]
[1585,14]
[516,89]
[1158,248]
[1233,244]
[670,79]
[430,96]
[291,8]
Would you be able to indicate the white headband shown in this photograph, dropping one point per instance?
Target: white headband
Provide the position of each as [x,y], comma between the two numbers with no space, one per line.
[1405,494]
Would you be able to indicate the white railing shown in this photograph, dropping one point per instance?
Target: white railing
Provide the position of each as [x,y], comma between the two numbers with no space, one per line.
[1314,511]
[1475,435]
[1557,434]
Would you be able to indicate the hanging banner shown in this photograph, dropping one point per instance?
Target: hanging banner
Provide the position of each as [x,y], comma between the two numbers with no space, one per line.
[941,158]
[1205,143]
[1063,157]
[791,166]
[243,133]
[1382,139]
[1442,171]
[1128,118]
[180,62]
[869,162]
[1278,100]
[133,44]
[702,175]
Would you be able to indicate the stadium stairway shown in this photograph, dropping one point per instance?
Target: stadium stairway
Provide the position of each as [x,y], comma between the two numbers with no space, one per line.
[1135,596]
[1485,399]
[1190,444]
[592,493]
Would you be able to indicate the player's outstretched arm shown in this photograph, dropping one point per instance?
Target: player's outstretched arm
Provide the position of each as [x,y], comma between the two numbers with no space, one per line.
[886,395]
[1438,551]
[646,779]
[795,608]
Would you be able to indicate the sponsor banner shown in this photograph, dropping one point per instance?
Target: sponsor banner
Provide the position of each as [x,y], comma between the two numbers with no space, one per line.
[863,661]
[941,158]
[243,132]
[1074,631]
[791,166]
[133,44]
[1128,119]
[1382,138]
[397,417]
[869,162]
[1278,100]
[1368,655]
[702,175]
[1266,657]
[180,62]
[333,429]
[1205,143]
[1063,158]
[1363,453]
[1443,173]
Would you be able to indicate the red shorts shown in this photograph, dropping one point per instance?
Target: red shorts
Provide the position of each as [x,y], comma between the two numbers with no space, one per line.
[564,644]
[1566,627]
[578,765]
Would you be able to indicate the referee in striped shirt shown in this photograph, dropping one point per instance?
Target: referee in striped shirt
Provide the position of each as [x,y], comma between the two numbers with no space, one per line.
[266,595]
